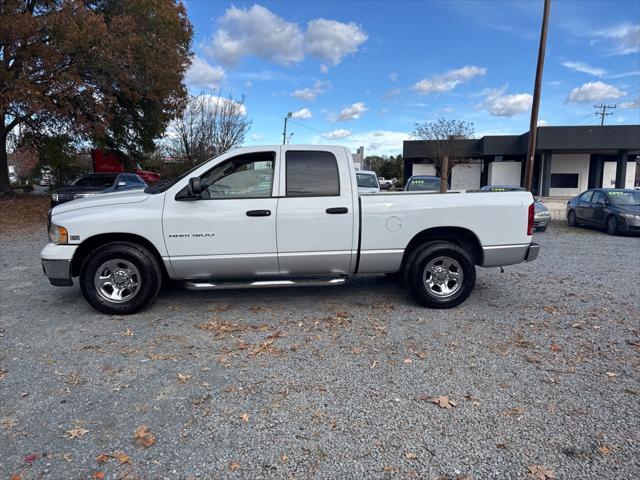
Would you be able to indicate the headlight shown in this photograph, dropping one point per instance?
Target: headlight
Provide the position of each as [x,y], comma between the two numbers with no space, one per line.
[54,197]
[58,235]
[630,216]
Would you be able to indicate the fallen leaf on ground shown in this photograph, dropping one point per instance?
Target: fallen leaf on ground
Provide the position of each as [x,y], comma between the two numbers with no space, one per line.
[443,401]
[515,412]
[98,475]
[143,436]
[541,473]
[552,309]
[605,449]
[8,423]
[611,374]
[410,456]
[555,347]
[76,432]
[67,457]
[122,458]
[102,458]
[31,457]
[3,372]
[233,466]
[421,355]
[183,377]
[244,417]
[407,360]
[15,476]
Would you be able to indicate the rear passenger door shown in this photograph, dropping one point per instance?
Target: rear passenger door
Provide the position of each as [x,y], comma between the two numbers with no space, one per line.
[598,205]
[315,219]
[584,205]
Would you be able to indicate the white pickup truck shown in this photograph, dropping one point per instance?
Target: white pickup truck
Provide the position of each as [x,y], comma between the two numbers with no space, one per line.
[281,216]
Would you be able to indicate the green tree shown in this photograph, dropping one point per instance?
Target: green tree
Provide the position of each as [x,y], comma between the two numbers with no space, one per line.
[105,71]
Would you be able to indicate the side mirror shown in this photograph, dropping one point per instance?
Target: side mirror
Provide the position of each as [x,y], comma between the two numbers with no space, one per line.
[195,187]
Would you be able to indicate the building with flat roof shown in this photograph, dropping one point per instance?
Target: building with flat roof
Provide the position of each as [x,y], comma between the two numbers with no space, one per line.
[568,160]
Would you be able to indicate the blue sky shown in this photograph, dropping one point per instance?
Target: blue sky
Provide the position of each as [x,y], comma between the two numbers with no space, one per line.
[364,72]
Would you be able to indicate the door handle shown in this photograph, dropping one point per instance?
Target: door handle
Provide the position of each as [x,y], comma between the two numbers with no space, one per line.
[337,210]
[258,213]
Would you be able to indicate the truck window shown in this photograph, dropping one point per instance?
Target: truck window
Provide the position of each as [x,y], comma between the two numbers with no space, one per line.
[312,174]
[243,176]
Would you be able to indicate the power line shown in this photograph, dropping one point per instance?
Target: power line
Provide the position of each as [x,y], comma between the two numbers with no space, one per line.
[603,112]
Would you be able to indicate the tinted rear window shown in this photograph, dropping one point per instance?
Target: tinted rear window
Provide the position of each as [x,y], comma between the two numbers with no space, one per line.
[96,181]
[312,174]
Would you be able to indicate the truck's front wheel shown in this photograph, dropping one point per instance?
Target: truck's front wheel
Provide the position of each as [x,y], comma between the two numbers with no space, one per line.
[441,275]
[120,278]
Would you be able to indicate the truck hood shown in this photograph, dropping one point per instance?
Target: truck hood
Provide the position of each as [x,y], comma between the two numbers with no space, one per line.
[102,200]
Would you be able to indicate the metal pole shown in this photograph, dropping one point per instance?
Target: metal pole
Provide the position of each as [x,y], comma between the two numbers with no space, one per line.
[533,126]
[284,133]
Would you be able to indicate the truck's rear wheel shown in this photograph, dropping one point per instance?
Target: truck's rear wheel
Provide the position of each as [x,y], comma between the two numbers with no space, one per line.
[441,275]
[120,278]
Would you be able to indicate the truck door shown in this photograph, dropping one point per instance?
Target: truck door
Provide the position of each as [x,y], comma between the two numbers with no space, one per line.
[231,229]
[315,220]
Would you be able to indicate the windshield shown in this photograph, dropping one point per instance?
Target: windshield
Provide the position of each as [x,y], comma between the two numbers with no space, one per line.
[423,185]
[625,199]
[95,181]
[164,186]
[367,180]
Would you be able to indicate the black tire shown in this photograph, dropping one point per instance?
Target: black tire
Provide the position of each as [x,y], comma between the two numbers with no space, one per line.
[571,219]
[129,257]
[542,229]
[449,258]
[612,225]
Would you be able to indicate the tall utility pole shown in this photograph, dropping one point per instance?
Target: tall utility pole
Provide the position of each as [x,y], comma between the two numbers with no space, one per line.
[284,133]
[603,112]
[533,126]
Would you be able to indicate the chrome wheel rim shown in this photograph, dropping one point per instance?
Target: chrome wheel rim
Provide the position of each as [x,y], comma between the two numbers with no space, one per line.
[442,277]
[117,281]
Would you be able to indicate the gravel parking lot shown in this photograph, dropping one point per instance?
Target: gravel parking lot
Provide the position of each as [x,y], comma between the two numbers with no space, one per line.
[540,368]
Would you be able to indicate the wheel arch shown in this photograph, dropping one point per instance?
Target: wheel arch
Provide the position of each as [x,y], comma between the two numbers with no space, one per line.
[96,241]
[460,236]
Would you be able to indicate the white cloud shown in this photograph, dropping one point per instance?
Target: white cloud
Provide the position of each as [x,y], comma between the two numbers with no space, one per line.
[376,142]
[212,100]
[302,114]
[632,104]
[449,80]
[331,41]
[201,74]
[352,113]
[501,105]
[256,137]
[257,32]
[311,93]
[584,68]
[248,84]
[543,123]
[339,133]
[625,37]
[594,92]
[393,77]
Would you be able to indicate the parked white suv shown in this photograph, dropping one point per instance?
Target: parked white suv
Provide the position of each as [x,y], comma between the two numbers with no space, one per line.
[281,216]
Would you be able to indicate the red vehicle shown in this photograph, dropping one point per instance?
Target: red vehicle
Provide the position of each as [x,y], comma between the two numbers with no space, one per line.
[117,162]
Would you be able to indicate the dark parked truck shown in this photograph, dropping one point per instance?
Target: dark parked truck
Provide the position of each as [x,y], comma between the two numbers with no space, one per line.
[117,162]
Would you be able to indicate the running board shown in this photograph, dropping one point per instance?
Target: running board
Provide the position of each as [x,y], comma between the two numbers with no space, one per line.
[228,285]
